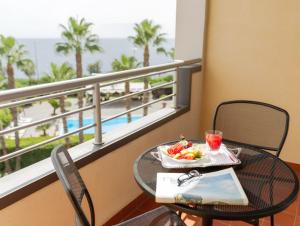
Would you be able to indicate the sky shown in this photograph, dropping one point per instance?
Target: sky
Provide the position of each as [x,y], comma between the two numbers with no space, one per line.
[111,18]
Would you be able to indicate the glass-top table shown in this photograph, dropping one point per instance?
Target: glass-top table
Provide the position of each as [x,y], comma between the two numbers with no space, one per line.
[269,183]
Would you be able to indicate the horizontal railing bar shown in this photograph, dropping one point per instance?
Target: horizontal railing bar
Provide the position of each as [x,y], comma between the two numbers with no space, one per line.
[50,96]
[135,77]
[137,108]
[136,93]
[30,148]
[37,90]
[45,120]
[55,95]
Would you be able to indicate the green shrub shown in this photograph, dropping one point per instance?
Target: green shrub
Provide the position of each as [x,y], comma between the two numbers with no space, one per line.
[40,153]
[163,79]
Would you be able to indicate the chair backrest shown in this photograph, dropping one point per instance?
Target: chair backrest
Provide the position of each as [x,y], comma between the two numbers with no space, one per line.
[73,185]
[252,123]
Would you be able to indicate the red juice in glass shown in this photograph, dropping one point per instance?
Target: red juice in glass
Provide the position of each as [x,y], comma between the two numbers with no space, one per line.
[213,139]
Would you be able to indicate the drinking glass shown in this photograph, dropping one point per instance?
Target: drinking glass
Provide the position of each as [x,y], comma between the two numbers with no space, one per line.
[213,139]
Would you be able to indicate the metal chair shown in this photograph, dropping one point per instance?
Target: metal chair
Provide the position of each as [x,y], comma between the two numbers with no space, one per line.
[253,124]
[76,191]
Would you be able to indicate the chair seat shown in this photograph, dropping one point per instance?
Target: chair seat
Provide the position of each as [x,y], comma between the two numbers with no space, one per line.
[161,216]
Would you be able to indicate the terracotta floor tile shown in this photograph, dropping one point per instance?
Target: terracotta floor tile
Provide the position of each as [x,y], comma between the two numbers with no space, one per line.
[292,209]
[297,221]
[239,223]
[283,219]
[145,207]
[286,218]
[298,198]
[221,223]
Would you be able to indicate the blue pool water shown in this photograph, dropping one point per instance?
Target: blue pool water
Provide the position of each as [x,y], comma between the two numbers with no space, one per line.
[106,126]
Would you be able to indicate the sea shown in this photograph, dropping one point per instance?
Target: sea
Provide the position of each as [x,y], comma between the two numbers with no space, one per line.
[42,52]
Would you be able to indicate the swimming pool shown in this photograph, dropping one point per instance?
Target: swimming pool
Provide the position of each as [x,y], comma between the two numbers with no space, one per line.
[73,124]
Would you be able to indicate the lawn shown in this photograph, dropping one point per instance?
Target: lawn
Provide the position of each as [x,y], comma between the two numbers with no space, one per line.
[39,153]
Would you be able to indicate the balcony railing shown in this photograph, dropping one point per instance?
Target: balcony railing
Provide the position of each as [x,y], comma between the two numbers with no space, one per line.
[22,96]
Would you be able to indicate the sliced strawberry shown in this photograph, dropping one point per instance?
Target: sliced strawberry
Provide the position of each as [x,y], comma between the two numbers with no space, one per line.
[174,149]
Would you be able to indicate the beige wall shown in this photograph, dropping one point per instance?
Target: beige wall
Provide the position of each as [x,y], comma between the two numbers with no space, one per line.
[109,179]
[253,52]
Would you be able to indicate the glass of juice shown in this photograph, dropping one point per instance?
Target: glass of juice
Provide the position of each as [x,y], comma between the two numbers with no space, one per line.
[213,139]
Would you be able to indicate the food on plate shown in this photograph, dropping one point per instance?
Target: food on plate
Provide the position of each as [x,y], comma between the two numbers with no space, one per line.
[185,150]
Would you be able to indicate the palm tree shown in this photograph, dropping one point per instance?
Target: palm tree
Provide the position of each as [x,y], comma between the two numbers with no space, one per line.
[94,67]
[78,39]
[29,70]
[14,55]
[5,119]
[125,63]
[147,34]
[44,128]
[61,73]
[54,104]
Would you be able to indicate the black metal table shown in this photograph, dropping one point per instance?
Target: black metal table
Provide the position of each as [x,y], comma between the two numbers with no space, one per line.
[269,183]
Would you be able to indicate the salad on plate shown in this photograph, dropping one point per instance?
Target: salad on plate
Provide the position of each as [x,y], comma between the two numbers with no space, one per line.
[184,151]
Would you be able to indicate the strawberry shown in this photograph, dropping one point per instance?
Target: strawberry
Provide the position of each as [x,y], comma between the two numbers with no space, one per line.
[174,149]
[190,144]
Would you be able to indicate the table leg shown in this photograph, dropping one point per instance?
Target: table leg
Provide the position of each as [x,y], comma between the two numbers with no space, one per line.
[207,221]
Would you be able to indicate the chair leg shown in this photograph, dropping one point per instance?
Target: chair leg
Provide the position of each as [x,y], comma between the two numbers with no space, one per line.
[272,220]
[179,214]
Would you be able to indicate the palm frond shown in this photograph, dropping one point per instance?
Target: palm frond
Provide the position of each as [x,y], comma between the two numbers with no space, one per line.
[159,39]
[78,37]
[162,51]
[59,73]
[92,48]
[63,47]
[146,34]
[125,63]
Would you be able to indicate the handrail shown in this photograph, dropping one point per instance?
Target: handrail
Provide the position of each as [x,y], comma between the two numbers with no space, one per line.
[137,108]
[137,93]
[10,130]
[39,98]
[37,90]
[32,147]
[21,96]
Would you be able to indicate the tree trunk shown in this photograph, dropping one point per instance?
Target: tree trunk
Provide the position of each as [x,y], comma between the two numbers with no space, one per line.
[14,111]
[64,120]
[128,101]
[146,94]
[44,132]
[80,94]
[7,168]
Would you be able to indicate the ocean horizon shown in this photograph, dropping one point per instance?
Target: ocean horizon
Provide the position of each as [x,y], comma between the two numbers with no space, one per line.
[42,52]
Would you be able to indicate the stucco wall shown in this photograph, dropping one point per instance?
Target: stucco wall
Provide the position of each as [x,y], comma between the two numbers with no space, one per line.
[109,179]
[253,52]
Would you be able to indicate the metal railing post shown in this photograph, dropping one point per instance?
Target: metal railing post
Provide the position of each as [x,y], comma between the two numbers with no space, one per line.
[176,88]
[97,114]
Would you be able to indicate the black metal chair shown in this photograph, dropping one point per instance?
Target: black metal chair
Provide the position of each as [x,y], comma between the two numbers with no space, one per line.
[253,124]
[76,191]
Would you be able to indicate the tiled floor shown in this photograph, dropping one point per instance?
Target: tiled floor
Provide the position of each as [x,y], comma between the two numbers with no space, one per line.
[289,217]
